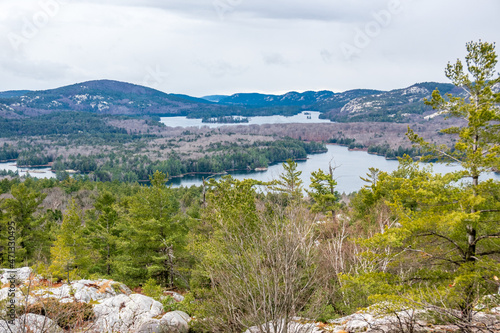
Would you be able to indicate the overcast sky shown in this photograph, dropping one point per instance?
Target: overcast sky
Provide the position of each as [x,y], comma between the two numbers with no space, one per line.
[204,47]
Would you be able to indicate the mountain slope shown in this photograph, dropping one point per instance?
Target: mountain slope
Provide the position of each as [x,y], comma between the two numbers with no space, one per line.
[214,98]
[290,98]
[395,105]
[109,97]
[13,93]
[106,97]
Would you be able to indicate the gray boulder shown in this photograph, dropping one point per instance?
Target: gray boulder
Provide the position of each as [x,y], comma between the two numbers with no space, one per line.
[176,296]
[149,326]
[23,275]
[175,322]
[123,313]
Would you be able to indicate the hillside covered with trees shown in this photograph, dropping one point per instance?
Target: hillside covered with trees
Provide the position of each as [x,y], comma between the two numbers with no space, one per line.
[107,97]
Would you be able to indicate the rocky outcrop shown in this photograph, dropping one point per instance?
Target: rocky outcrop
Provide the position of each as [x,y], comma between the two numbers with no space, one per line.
[125,313]
[84,291]
[22,274]
[365,322]
[172,322]
[78,291]
[176,321]
[177,297]
[116,309]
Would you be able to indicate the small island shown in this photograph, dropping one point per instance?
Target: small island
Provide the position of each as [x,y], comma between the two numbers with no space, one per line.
[225,120]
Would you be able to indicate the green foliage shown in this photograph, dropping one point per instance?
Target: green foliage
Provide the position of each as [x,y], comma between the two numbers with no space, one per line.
[32,231]
[70,254]
[446,236]
[350,143]
[103,232]
[63,261]
[233,201]
[33,158]
[128,166]
[328,312]
[477,148]
[386,151]
[8,152]
[357,289]
[153,290]
[60,123]
[189,305]
[122,217]
[323,194]
[289,182]
[153,236]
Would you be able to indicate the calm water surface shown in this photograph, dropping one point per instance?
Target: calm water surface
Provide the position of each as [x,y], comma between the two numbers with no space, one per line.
[34,172]
[299,118]
[351,165]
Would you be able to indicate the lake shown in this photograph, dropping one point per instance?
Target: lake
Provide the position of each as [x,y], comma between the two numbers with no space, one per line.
[302,118]
[350,166]
[34,172]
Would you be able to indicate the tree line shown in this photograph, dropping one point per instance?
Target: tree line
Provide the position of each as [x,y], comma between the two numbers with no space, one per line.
[381,150]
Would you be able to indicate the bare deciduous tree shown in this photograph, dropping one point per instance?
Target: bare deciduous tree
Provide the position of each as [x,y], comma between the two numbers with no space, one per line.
[262,271]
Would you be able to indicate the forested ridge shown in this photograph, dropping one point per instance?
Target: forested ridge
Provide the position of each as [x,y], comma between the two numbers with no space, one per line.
[246,253]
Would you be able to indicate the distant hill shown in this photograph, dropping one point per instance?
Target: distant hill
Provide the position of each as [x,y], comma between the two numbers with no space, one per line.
[214,98]
[13,93]
[395,105]
[290,98]
[105,97]
[109,97]
[352,105]
[339,100]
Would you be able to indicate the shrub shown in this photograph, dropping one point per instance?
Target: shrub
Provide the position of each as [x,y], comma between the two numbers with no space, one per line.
[66,315]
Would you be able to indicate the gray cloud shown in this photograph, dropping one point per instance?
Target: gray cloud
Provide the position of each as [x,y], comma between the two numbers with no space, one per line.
[275,59]
[327,10]
[248,45]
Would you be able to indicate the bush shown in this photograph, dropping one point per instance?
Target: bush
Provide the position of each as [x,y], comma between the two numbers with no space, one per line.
[66,315]
[152,290]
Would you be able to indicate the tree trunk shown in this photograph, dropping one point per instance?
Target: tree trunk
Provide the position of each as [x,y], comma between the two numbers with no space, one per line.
[108,266]
[171,267]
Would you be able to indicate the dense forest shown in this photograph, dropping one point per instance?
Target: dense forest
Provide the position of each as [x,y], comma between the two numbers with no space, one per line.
[245,252]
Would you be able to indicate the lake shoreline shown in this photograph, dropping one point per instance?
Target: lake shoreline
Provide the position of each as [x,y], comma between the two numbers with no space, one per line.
[227,172]
[48,165]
